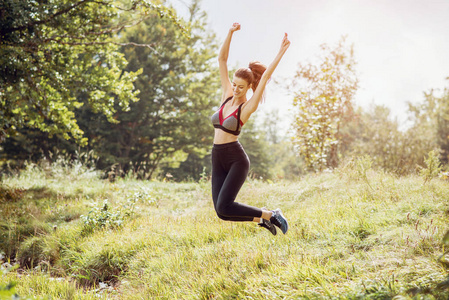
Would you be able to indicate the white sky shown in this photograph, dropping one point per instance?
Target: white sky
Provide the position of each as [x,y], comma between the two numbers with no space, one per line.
[401,46]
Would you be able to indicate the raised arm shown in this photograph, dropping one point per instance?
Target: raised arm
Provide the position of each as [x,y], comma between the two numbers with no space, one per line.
[253,103]
[223,62]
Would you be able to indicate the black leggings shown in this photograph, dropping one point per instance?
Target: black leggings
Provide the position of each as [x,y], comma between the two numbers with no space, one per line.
[230,166]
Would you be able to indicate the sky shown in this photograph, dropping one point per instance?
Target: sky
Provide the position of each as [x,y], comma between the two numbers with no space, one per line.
[401,46]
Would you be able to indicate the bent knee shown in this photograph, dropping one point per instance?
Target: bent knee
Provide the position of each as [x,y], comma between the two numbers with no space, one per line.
[223,211]
[224,218]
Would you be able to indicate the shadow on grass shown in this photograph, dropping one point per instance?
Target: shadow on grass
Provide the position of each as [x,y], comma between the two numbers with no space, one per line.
[39,193]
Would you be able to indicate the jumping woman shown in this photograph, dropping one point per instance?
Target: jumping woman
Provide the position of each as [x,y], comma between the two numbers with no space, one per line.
[230,164]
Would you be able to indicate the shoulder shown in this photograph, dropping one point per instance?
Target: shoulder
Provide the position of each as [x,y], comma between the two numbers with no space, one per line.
[225,98]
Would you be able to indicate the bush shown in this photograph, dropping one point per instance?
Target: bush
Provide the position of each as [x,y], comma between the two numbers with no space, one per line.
[106,217]
[433,166]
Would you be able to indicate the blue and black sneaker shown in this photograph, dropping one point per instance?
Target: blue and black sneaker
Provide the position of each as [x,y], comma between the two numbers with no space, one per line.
[278,219]
[268,225]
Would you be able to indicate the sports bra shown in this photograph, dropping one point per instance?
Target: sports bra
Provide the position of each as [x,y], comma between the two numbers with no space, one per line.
[232,123]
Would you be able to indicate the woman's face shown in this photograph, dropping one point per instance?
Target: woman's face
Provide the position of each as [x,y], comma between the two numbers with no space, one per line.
[240,86]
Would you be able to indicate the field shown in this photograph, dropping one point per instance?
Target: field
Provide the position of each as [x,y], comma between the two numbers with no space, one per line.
[355,233]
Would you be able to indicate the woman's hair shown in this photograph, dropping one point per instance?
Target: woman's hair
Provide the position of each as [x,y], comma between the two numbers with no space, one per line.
[252,74]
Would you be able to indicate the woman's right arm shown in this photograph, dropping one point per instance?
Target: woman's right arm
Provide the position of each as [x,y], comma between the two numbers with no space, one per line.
[223,63]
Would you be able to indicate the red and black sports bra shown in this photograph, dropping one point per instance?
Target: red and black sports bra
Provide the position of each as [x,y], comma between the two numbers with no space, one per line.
[232,123]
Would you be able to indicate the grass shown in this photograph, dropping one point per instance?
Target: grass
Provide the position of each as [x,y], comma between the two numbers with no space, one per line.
[353,235]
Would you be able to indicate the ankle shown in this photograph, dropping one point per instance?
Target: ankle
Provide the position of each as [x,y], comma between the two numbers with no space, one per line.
[266,214]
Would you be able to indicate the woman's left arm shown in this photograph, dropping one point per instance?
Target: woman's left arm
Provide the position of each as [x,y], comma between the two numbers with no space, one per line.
[253,103]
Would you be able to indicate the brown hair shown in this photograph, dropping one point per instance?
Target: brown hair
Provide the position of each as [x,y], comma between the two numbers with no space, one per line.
[252,74]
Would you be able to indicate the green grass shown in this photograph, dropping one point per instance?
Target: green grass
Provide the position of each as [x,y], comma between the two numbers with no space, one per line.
[353,235]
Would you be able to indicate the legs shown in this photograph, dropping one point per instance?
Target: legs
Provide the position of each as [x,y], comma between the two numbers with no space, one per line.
[226,205]
[230,168]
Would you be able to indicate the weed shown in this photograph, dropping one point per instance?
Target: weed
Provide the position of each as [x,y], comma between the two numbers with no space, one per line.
[144,196]
[433,166]
[104,216]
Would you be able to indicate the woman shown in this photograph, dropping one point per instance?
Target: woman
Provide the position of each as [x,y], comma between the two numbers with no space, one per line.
[230,164]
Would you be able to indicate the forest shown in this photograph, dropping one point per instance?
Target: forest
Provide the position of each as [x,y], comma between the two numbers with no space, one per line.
[127,85]
[105,131]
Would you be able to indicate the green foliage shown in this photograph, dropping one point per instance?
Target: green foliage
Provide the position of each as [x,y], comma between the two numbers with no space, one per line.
[272,156]
[285,161]
[38,251]
[104,216]
[375,134]
[257,147]
[432,118]
[7,291]
[12,234]
[346,240]
[54,51]
[323,96]
[143,195]
[433,166]
[169,127]
[78,166]
[178,85]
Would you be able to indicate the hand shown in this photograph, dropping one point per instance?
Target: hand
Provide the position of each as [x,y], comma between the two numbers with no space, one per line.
[285,43]
[235,27]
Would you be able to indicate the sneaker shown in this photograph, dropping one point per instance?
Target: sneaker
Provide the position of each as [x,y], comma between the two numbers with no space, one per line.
[268,225]
[278,219]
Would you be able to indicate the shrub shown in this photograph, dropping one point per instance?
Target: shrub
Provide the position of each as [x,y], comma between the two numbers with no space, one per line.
[433,166]
[105,216]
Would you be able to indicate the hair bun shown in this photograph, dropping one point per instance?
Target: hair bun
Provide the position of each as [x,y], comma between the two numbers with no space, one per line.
[252,74]
[258,69]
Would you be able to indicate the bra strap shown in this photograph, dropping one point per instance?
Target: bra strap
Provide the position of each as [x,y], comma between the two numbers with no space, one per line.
[238,117]
[226,101]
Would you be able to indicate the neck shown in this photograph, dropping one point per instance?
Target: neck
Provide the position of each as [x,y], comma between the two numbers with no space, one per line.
[238,100]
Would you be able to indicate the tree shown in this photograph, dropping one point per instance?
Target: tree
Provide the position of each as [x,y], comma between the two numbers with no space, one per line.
[323,95]
[257,147]
[178,90]
[376,134]
[431,117]
[51,51]
[280,157]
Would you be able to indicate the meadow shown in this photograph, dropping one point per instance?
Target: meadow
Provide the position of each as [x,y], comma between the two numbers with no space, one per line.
[355,233]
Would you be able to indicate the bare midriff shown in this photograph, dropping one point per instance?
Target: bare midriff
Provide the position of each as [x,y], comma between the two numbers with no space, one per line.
[222,137]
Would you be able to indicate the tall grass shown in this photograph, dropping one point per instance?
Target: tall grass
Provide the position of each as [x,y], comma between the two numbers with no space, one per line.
[355,233]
